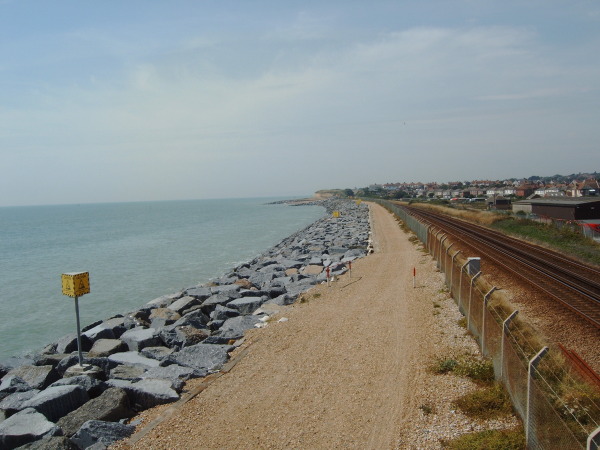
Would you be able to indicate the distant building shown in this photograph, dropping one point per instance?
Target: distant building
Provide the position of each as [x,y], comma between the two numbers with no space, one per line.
[586,188]
[498,203]
[565,208]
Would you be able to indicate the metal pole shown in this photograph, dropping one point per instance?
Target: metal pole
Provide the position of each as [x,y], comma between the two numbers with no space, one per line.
[505,326]
[532,366]
[593,440]
[452,271]
[484,310]
[78,331]
[460,287]
[470,297]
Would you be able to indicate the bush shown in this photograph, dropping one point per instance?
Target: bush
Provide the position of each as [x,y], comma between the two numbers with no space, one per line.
[486,403]
[480,371]
[489,440]
[443,366]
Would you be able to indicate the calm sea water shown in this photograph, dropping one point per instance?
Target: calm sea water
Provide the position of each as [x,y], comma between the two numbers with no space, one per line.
[134,253]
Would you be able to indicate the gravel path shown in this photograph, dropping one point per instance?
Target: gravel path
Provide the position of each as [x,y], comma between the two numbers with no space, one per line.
[348,369]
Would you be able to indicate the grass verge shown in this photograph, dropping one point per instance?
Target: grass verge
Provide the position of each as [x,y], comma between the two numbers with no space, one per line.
[489,402]
[564,240]
[489,440]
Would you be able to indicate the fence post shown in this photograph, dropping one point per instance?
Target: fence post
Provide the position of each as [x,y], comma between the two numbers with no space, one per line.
[460,285]
[452,271]
[470,297]
[446,263]
[505,326]
[442,239]
[532,366]
[484,310]
[593,440]
[434,243]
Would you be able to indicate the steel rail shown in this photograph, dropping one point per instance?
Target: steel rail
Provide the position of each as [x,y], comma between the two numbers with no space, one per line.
[571,267]
[578,293]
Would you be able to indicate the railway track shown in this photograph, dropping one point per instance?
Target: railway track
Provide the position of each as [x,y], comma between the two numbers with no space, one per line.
[573,284]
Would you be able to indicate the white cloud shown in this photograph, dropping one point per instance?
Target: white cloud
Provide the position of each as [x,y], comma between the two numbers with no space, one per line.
[336,112]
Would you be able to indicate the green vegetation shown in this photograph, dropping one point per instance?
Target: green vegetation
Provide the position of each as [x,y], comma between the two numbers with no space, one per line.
[489,440]
[564,240]
[481,371]
[490,401]
[444,365]
[486,403]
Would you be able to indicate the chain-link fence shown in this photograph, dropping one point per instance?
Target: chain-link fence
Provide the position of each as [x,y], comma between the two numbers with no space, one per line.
[558,408]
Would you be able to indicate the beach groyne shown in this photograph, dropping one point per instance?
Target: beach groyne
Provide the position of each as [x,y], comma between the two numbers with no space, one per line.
[142,358]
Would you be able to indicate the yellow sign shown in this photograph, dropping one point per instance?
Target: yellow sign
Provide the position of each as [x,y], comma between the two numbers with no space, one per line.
[336,214]
[358,201]
[75,284]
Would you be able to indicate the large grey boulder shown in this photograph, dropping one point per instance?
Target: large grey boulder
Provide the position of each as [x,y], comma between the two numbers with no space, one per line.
[132,359]
[107,347]
[231,290]
[147,393]
[25,426]
[138,338]
[109,329]
[199,292]
[260,279]
[196,319]
[161,317]
[97,431]
[182,336]
[68,343]
[14,402]
[111,406]
[11,384]
[56,402]
[223,313]
[235,327]
[282,300]
[291,264]
[92,386]
[183,304]
[73,359]
[202,357]
[214,300]
[163,301]
[38,377]
[247,305]
[174,373]
[51,443]
[131,373]
[158,353]
[45,359]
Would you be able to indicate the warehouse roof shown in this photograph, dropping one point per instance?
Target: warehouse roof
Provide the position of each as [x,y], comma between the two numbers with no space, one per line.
[559,201]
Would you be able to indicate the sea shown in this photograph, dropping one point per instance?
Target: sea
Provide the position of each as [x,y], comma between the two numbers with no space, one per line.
[134,253]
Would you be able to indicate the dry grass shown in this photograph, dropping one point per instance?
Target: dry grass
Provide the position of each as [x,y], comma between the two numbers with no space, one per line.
[486,218]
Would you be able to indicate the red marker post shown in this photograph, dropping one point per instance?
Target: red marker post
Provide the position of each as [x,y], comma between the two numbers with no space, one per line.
[350,268]
[327,272]
[414,277]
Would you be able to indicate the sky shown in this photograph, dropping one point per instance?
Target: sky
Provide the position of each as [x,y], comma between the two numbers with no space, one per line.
[149,100]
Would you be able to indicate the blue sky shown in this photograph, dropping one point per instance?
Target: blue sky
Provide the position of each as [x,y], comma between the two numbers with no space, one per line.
[148,100]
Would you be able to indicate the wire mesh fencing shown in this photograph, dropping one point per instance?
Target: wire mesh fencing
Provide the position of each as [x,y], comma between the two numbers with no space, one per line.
[559,410]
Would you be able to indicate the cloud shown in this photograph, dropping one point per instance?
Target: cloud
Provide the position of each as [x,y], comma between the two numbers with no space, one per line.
[208,114]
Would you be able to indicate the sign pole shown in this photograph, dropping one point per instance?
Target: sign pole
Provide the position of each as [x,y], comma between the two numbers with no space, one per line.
[414,277]
[78,331]
[75,285]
